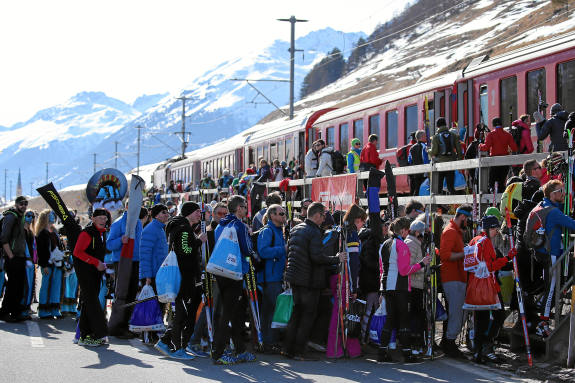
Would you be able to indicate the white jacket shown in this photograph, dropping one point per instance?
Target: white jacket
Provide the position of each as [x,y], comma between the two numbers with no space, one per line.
[325,165]
[311,163]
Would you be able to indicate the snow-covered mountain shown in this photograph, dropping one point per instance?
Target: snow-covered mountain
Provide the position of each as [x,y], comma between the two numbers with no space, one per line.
[67,136]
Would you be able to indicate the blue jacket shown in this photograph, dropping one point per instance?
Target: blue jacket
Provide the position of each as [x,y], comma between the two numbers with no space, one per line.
[244,239]
[114,240]
[554,225]
[153,249]
[274,257]
[350,160]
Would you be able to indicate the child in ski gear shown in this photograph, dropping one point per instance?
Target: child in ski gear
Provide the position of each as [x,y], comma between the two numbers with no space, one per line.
[396,282]
[445,147]
[89,264]
[453,277]
[486,329]
[353,157]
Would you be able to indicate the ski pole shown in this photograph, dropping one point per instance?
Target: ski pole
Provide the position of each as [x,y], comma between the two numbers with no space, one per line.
[519,293]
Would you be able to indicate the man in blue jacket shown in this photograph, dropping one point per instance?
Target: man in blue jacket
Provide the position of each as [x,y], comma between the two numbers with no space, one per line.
[154,245]
[116,239]
[231,291]
[272,249]
[554,192]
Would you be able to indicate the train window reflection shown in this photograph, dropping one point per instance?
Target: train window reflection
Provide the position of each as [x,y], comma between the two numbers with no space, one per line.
[391,129]
[508,100]
[566,85]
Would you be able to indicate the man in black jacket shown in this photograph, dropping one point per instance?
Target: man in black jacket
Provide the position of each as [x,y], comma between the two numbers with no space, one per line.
[13,241]
[306,275]
[187,247]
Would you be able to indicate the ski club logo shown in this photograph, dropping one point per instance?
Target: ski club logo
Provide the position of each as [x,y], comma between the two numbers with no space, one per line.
[232,259]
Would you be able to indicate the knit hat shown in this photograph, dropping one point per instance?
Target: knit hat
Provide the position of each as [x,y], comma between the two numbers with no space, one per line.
[497,122]
[355,141]
[188,208]
[441,122]
[556,108]
[20,199]
[489,222]
[493,211]
[99,211]
[417,226]
[157,209]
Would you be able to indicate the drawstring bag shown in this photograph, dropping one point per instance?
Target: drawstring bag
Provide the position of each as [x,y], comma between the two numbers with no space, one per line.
[481,291]
[377,322]
[353,318]
[147,316]
[283,310]
[168,279]
[225,260]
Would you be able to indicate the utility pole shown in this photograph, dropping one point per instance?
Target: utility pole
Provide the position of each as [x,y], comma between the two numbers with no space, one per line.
[5,183]
[94,162]
[31,188]
[183,132]
[47,172]
[139,127]
[292,52]
[116,155]
[10,190]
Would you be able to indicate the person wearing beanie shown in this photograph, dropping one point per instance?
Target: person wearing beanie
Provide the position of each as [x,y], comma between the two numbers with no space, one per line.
[13,240]
[414,242]
[498,143]
[353,157]
[554,128]
[186,245]
[485,329]
[445,147]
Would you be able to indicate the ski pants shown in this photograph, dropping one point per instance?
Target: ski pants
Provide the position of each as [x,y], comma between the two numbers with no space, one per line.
[15,287]
[371,306]
[415,182]
[498,174]
[455,295]
[270,294]
[306,300]
[449,177]
[92,316]
[232,297]
[182,326]
[70,292]
[418,316]
[397,307]
[50,292]
[353,346]
[201,326]
[487,325]
[550,280]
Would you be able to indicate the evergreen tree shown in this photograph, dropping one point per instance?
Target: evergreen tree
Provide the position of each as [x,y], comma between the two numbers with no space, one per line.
[328,70]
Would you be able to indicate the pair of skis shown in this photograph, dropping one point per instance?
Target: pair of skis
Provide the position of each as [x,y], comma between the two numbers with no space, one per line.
[207,294]
[252,292]
[431,285]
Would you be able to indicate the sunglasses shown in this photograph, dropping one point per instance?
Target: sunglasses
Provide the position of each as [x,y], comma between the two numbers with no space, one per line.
[281,213]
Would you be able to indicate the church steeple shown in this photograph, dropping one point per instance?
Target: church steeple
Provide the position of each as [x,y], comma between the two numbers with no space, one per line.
[19,184]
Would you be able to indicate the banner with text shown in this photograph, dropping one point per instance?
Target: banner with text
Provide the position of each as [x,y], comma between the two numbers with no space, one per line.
[336,191]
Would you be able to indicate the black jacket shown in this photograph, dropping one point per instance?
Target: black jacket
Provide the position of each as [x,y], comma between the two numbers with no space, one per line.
[306,259]
[45,243]
[13,232]
[186,245]
[554,128]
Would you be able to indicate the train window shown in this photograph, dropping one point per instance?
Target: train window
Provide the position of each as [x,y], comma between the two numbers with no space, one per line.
[431,112]
[535,85]
[281,150]
[344,136]
[260,154]
[330,136]
[358,130]
[289,150]
[374,127]
[391,129]
[508,100]
[566,85]
[273,152]
[411,123]
[266,153]
[483,105]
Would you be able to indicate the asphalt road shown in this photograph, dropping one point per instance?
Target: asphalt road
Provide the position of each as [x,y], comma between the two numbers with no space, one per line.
[42,351]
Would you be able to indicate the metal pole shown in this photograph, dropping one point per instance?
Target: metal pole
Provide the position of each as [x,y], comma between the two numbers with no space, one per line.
[47,172]
[183,132]
[571,348]
[5,183]
[116,155]
[138,162]
[31,189]
[292,51]
[10,190]
[94,162]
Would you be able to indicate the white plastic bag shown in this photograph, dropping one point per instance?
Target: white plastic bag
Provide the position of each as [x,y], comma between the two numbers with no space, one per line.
[168,279]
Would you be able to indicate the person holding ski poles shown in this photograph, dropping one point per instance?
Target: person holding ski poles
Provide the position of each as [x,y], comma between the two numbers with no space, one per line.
[396,282]
[186,245]
[486,329]
[231,291]
[453,277]
[549,211]
[305,272]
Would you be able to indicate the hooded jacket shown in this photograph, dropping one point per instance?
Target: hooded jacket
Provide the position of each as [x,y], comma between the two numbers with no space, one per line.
[554,224]
[554,128]
[414,244]
[244,239]
[186,245]
[325,167]
[153,249]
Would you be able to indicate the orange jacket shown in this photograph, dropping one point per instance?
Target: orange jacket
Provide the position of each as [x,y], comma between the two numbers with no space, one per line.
[451,242]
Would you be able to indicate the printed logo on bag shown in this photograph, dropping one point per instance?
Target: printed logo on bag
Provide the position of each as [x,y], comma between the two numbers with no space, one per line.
[232,259]
[353,318]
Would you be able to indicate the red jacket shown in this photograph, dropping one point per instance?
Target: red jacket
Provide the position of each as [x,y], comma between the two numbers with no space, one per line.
[486,253]
[525,145]
[451,242]
[369,155]
[498,143]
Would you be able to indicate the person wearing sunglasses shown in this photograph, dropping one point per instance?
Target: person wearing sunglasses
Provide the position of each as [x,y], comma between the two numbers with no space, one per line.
[271,248]
[353,157]
[13,239]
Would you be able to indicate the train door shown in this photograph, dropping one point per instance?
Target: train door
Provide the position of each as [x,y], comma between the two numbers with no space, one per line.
[465,107]
[438,107]
[301,147]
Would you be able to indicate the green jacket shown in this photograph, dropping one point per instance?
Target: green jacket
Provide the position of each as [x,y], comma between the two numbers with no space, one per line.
[434,152]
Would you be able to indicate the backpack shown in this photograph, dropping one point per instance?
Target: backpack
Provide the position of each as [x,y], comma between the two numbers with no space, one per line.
[257,261]
[511,198]
[402,155]
[338,162]
[446,143]
[535,235]
[516,133]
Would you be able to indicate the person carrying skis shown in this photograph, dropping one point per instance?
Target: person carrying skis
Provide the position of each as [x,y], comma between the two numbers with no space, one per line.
[186,245]
[396,282]
[453,277]
[486,329]
[554,192]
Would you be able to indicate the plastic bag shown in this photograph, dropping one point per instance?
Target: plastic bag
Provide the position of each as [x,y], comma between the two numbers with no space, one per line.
[225,260]
[353,318]
[168,279]
[377,322]
[147,316]
[440,313]
[283,310]
[481,294]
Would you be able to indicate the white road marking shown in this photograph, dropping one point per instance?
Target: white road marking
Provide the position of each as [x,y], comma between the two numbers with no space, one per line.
[36,339]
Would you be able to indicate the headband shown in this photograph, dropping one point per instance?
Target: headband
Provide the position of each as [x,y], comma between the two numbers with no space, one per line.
[462,211]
